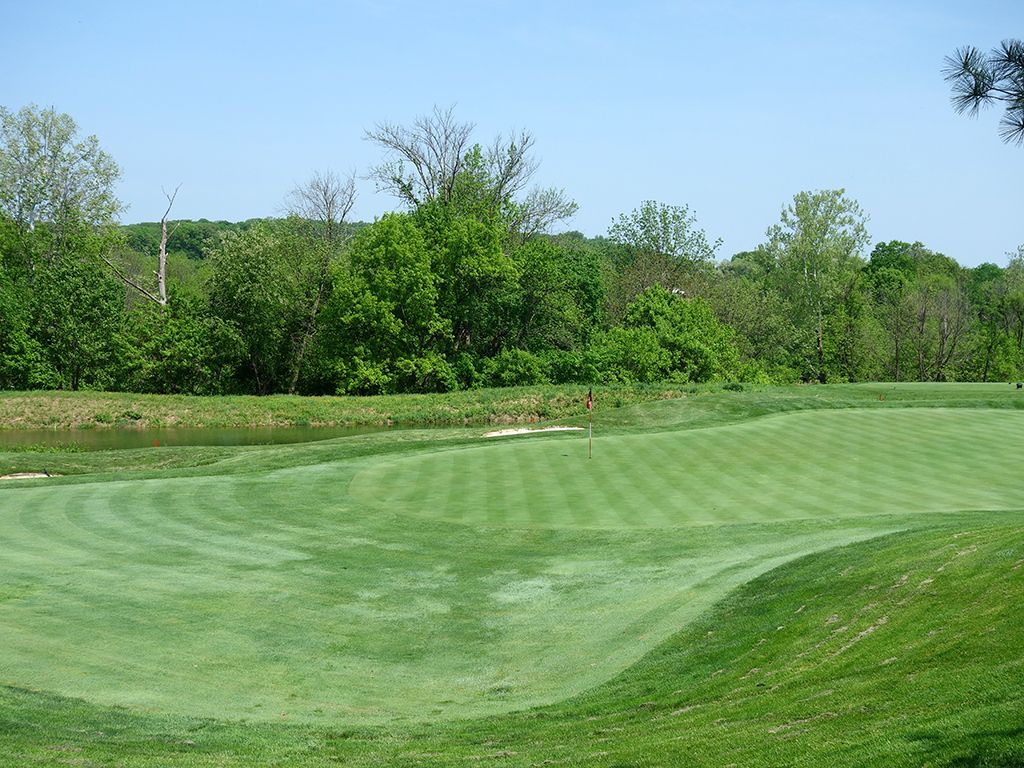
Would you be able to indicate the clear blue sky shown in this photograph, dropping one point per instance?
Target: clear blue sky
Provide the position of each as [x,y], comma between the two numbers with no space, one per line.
[728,107]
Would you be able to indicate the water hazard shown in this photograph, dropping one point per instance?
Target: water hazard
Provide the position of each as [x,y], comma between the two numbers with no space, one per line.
[111,439]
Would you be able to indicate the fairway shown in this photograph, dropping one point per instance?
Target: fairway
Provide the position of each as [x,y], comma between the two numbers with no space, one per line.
[420,579]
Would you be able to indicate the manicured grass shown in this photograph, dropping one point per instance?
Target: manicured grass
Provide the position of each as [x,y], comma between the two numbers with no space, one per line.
[804,577]
[809,465]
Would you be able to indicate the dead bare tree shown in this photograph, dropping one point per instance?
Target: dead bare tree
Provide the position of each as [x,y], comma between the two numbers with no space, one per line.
[160,297]
[435,159]
[424,161]
[324,201]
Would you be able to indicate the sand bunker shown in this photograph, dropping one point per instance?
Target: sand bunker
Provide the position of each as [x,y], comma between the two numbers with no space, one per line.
[528,431]
[24,475]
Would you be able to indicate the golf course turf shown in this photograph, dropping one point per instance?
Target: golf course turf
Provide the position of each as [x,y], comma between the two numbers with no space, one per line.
[794,576]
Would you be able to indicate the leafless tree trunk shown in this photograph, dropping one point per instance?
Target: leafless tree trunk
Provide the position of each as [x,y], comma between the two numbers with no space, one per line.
[161,274]
[160,297]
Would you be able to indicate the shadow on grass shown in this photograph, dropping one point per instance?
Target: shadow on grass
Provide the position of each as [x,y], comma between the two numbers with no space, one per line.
[991,748]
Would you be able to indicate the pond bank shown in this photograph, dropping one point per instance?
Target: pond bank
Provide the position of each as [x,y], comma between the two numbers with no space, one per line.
[74,440]
[515,405]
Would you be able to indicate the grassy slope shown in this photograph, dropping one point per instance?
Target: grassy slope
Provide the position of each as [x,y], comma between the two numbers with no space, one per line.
[712,405]
[66,410]
[431,618]
[859,656]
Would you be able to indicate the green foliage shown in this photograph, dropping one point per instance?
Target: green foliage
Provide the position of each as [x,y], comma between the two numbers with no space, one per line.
[181,349]
[184,275]
[77,321]
[248,290]
[997,297]
[514,368]
[193,239]
[435,163]
[657,244]
[474,276]
[667,337]
[814,255]
[573,366]
[465,290]
[630,355]
[751,305]
[555,303]
[17,347]
[190,239]
[47,175]
[382,326]
[666,231]
[264,283]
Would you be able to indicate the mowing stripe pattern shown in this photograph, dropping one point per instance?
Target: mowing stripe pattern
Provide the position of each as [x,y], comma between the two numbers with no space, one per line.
[793,466]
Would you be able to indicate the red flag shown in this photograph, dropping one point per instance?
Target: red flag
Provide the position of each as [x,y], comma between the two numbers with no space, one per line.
[590,400]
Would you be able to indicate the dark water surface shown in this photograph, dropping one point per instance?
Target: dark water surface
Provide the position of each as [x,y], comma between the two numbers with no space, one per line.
[113,438]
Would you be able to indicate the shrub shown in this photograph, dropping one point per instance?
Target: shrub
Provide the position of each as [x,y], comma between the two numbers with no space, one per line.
[514,368]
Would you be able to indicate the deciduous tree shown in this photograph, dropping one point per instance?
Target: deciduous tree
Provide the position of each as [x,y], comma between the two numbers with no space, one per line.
[436,160]
[77,317]
[382,329]
[814,252]
[48,176]
[324,201]
[253,287]
[659,244]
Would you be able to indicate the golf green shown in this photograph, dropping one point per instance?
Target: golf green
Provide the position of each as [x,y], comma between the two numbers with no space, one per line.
[818,464]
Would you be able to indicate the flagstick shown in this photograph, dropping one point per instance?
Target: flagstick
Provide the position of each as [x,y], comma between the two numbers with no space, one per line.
[590,434]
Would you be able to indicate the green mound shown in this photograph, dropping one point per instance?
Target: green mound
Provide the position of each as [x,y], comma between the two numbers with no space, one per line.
[899,651]
[904,650]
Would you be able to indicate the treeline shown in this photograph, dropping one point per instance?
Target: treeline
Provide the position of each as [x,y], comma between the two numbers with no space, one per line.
[193,239]
[462,288]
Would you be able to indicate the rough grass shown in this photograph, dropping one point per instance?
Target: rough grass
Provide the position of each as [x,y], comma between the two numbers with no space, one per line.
[78,410]
[710,405]
[838,585]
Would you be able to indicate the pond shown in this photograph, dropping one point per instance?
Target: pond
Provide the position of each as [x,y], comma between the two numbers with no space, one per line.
[109,439]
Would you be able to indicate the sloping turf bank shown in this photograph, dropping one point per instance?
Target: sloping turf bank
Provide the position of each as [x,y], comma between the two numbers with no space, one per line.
[899,651]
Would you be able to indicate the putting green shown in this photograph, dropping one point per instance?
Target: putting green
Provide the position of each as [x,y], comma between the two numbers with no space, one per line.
[450,582]
[816,464]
